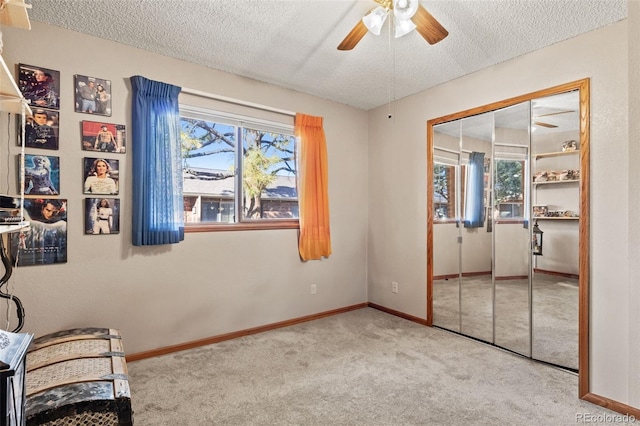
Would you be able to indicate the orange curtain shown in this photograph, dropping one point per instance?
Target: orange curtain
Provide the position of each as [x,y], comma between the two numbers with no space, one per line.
[313,199]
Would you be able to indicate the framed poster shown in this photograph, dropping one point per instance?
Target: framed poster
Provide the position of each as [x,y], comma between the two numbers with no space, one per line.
[103,137]
[92,95]
[101,176]
[101,216]
[41,129]
[40,86]
[45,241]
[41,175]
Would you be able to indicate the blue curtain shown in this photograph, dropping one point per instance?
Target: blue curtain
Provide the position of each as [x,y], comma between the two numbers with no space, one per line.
[474,192]
[157,163]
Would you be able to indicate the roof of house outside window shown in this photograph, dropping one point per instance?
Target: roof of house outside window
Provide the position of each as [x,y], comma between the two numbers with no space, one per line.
[220,183]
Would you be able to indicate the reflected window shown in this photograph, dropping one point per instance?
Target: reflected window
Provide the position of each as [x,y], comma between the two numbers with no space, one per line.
[509,189]
[444,191]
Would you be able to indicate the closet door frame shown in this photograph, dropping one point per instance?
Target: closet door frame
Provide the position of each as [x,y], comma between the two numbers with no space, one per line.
[583,86]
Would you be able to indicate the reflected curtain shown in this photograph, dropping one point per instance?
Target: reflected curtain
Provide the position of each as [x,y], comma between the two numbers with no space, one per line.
[474,193]
[315,235]
[157,163]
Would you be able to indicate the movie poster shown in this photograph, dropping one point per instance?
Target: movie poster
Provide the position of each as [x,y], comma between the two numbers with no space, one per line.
[45,241]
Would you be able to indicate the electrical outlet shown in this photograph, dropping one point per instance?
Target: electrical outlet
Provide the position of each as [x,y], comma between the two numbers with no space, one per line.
[313,289]
[394,287]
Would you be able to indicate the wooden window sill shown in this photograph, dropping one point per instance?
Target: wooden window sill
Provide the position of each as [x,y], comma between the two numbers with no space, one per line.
[242,226]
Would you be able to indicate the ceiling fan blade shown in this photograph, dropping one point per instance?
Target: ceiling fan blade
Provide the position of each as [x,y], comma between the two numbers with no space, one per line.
[539,123]
[554,113]
[428,26]
[353,37]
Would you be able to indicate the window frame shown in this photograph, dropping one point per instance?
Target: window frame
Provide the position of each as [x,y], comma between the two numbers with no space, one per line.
[240,121]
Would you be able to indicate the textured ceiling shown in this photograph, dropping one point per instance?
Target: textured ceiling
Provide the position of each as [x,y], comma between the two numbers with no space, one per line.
[293,43]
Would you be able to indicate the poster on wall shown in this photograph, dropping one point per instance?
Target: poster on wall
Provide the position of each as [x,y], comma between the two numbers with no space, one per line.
[102,216]
[92,95]
[41,175]
[45,241]
[101,176]
[41,129]
[40,86]
[103,137]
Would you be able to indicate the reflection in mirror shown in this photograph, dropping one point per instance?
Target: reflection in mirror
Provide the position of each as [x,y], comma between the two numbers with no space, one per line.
[556,204]
[476,284]
[446,179]
[510,228]
[499,172]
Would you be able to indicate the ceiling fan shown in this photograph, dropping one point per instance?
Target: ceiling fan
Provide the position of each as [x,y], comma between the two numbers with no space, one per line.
[407,15]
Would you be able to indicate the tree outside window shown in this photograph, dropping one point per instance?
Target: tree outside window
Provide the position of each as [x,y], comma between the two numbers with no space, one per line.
[230,168]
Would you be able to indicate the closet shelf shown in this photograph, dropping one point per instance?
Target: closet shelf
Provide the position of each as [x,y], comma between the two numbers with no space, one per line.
[555,218]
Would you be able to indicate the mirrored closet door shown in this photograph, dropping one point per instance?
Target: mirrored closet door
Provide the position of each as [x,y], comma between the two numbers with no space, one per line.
[507,232]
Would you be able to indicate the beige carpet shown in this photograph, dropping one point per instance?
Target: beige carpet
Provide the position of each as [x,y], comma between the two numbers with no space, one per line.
[363,367]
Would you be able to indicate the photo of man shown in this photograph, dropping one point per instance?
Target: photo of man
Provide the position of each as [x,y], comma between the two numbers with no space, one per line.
[93,95]
[41,129]
[45,242]
[103,137]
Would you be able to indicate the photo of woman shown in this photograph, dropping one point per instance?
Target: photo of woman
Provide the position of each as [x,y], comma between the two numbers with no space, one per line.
[41,175]
[40,86]
[102,216]
[101,176]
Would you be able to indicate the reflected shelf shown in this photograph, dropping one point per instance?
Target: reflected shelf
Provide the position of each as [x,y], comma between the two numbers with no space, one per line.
[556,182]
[554,154]
[555,218]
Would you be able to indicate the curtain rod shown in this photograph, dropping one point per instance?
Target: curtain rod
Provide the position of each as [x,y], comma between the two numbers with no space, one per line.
[236,101]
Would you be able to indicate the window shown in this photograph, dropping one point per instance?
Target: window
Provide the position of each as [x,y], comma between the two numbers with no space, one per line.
[238,172]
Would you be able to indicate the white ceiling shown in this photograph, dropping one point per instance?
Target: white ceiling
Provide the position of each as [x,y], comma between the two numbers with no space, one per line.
[292,43]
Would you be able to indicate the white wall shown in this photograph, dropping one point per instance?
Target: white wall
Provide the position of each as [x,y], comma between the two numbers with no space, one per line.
[212,283]
[397,194]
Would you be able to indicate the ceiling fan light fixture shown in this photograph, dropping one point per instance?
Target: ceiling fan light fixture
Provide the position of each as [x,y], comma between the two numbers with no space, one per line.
[408,15]
[375,20]
[404,26]
[403,10]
